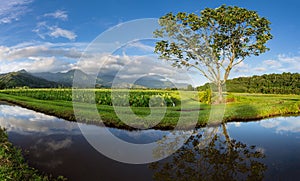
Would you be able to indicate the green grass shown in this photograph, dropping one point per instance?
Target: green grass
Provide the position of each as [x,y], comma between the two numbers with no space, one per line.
[257,106]
[64,109]
[13,166]
[242,107]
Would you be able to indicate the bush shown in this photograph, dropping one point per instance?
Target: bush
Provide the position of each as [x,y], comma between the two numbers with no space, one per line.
[230,98]
[205,96]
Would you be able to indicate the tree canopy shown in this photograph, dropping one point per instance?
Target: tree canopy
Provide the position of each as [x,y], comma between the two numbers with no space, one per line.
[285,83]
[214,41]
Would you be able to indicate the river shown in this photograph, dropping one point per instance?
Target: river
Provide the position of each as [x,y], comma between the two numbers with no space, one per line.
[259,150]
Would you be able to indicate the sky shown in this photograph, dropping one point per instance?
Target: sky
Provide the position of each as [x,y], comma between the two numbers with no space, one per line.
[54,35]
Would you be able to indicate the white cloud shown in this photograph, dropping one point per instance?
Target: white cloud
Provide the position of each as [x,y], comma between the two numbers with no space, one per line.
[36,64]
[12,10]
[94,62]
[282,63]
[141,46]
[58,14]
[128,68]
[58,32]
[49,57]
[23,51]
[46,64]
[290,63]
[242,68]
[288,59]
[260,69]
[38,57]
[272,63]
[43,30]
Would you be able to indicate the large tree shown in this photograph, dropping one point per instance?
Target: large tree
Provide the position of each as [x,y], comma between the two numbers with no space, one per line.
[213,42]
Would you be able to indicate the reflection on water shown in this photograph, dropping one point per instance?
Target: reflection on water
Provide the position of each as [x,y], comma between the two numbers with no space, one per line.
[222,159]
[263,150]
[283,124]
[57,147]
[23,121]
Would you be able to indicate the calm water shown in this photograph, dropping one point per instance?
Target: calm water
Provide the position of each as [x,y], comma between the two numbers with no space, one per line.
[267,149]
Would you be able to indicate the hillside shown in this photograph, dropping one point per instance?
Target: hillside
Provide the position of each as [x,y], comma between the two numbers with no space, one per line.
[149,81]
[285,83]
[23,78]
[64,79]
[106,80]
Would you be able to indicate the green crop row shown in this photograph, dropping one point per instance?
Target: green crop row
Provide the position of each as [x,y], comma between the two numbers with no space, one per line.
[135,98]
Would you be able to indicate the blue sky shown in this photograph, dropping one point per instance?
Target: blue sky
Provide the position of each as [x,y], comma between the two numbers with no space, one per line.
[51,35]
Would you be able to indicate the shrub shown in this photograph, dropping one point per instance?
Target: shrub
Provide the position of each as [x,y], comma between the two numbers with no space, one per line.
[230,98]
[205,96]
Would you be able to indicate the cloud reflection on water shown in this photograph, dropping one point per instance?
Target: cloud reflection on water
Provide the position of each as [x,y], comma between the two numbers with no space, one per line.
[24,121]
[282,124]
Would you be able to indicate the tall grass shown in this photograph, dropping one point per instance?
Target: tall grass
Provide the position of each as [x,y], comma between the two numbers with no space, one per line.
[135,98]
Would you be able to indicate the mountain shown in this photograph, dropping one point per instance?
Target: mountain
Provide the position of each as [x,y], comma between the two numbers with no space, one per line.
[152,81]
[48,80]
[106,80]
[285,83]
[64,79]
[157,82]
[23,78]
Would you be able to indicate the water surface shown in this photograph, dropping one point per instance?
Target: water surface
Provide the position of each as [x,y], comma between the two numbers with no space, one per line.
[261,150]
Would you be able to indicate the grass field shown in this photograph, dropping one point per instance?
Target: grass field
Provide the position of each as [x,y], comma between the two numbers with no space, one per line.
[240,107]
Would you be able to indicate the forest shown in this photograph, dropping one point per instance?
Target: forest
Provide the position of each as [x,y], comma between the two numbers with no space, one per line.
[285,83]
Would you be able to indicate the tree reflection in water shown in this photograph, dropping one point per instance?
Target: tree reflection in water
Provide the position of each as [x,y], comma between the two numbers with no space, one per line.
[222,158]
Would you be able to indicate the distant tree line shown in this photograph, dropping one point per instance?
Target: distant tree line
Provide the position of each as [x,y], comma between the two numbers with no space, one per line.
[285,83]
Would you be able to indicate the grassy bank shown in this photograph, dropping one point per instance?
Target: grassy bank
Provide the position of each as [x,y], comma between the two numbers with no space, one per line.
[257,106]
[13,166]
[240,107]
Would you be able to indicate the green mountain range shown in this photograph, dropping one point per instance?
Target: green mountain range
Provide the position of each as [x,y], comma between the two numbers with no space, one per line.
[285,83]
[52,80]
[24,79]
[66,79]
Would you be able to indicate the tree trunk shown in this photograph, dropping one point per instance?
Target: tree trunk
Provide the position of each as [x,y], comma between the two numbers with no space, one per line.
[227,137]
[220,94]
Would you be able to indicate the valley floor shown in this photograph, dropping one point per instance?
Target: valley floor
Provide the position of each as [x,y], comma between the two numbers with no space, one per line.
[242,107]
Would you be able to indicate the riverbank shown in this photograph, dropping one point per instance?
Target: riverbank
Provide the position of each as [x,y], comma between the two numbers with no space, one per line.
[13,165]
[240,107]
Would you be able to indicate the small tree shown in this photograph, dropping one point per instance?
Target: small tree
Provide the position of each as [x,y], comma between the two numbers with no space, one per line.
[214,42]
[189,88]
